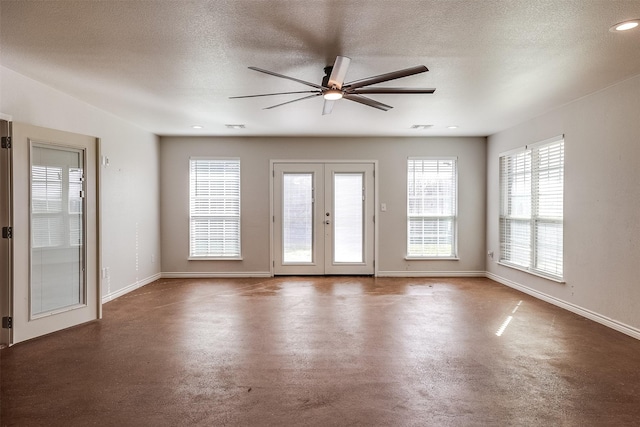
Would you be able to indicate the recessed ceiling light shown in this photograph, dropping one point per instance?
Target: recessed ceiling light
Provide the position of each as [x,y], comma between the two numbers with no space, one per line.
[421,126]
[625,25]
[235,126]
[452,127]
[197,127]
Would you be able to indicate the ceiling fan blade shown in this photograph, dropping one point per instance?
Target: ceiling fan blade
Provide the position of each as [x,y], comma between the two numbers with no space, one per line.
[367,101]
[336,79]
[270,94]
[285,77]
[386,77]
[390,90]
[327,107]
[295,100]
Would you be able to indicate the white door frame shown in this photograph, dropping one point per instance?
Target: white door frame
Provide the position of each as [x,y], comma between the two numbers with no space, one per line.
[272,163]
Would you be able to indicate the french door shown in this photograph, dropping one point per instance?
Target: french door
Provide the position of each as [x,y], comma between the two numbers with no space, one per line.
[323,218]
[55,234]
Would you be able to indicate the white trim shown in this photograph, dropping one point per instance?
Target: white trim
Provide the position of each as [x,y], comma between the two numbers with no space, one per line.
[132,287]
[376,217]
[432,158]
[272,257]
[591,315]
[206,275]
[213,158]
[528,147]
[405,273]
[307,161]
[532,272]
[545,141]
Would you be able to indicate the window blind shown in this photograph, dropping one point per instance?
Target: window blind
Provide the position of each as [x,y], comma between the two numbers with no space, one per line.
[531,212]
[431,207]
[214,206]
[47,223]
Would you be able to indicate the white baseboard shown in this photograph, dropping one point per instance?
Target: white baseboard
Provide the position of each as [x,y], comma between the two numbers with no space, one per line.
[591,315]
[431,274]
[226,274]
[131,287]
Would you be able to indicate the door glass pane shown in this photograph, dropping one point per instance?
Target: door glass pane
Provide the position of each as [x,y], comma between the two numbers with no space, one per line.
[297,217]
[57,208]
[348,217]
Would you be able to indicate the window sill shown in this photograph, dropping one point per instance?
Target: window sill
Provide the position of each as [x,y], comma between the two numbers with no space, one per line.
[533,273]
[434,258]
[200,258]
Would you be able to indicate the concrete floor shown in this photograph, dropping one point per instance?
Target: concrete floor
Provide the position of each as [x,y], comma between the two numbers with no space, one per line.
[325,351]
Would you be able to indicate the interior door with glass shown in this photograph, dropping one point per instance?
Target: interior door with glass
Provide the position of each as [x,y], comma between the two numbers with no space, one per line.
[55,231]
[323,218]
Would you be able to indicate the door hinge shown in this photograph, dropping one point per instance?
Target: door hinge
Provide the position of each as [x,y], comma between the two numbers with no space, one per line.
[7,232]
[6,142]
[7,322]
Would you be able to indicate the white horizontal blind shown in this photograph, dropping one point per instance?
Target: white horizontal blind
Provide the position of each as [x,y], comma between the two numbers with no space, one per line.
[47,219]
[531,212]
[515,215]
[431,207]
[297,217]
[214,208]
[548,189]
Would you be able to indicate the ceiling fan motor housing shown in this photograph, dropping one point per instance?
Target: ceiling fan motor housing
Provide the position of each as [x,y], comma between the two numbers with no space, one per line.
[327,73]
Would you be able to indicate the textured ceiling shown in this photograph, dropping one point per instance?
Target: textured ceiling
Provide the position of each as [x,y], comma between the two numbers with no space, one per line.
[166,65]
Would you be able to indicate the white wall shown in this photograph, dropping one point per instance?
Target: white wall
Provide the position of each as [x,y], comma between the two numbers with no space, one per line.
[601,208]
[130,185]
[255,154]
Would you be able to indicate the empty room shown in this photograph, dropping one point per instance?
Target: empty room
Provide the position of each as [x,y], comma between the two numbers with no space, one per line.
[320,212]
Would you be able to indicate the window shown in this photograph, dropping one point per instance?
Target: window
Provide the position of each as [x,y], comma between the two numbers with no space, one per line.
[531,208]
[431,207]
[214,208]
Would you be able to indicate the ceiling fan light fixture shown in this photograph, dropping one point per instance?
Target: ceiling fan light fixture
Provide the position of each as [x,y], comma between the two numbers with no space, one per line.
[332,95]
[625,25]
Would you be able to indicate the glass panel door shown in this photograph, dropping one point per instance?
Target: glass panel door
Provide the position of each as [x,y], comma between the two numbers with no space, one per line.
[57,246]
[298,228]
[56,250]
[349,237]
[323,218]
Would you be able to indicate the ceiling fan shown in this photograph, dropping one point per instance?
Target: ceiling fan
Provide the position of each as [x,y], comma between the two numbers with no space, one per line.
[334,88]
